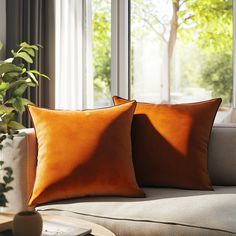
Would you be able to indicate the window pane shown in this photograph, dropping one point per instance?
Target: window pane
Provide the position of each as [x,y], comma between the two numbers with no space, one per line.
[101,51]
[181,51]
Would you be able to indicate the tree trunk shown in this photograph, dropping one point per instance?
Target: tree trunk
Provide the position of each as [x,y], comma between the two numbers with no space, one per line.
[172,38]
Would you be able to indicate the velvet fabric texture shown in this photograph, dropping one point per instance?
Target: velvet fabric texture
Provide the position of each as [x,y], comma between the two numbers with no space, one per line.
[82,153]
[170,143]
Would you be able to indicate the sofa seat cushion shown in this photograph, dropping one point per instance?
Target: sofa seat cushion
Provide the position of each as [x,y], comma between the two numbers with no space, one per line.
[210,210]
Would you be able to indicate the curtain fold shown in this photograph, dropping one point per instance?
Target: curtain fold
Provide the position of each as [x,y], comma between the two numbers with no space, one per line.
[27,20]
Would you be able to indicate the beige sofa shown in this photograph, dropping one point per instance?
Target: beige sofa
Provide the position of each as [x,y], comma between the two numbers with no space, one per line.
[164,211]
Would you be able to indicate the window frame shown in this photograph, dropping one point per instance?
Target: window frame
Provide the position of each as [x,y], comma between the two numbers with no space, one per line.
[118,75]
[120,48]
[79,94]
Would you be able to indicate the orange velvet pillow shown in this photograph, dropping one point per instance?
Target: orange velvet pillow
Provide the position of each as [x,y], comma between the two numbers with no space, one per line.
[170,143]
[83,153]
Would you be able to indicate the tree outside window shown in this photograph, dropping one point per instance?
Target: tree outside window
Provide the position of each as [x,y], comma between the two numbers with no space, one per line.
[187,44]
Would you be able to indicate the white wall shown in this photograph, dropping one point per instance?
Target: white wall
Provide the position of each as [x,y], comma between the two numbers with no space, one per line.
[2,26]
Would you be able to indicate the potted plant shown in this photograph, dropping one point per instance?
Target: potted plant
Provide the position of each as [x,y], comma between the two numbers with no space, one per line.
[15,79]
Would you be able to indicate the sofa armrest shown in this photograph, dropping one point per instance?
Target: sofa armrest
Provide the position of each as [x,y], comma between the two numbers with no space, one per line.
[20,154]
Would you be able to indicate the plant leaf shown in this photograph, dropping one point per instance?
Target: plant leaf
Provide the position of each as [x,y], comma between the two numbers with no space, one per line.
[9,60]
[10,76]
[3,200]
[1,45]
[32,76]
[18,105]
[8,188]
[2,187]
[24,56]
[2,137]
[30,51]
[15,125]
[3,127]
[26,101]
[8,67]
[18,82]
[7,179]
[38,73]
[8,170]
[20,90]
[4,86]
[26,45]
[10,101]
[5,109]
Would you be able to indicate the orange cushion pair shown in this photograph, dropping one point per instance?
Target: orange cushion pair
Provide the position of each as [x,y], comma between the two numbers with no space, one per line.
[170,143]
[84,153]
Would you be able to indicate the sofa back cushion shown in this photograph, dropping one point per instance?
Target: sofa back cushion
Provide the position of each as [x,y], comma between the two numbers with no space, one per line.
[222,154]
[170,143]
[82,153]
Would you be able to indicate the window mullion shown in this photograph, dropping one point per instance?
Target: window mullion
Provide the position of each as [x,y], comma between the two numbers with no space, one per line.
[119,67]
[123,49]
[114,47]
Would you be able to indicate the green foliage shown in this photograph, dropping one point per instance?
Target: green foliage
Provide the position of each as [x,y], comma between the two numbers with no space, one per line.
[101,48]
[207,23]
[5,185]
[204,29]
[15,79]
[204,40]
[218,76]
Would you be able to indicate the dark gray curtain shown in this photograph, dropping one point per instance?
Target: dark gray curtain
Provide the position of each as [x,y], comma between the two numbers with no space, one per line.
[27,22]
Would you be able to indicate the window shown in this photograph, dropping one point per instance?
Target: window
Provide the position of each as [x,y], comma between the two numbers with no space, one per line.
[160,51]
[181,51]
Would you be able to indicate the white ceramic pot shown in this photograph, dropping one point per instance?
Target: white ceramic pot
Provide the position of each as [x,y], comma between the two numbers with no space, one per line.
[27,223]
